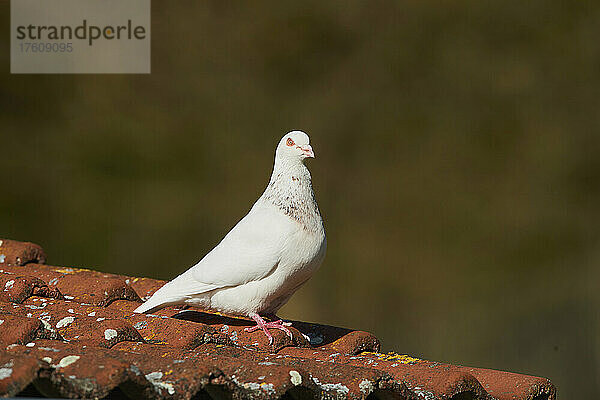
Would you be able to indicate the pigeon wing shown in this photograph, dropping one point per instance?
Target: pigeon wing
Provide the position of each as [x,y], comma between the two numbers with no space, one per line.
[249,252]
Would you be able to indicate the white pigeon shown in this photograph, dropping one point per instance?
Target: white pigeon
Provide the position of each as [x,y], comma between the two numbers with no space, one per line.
[267,256]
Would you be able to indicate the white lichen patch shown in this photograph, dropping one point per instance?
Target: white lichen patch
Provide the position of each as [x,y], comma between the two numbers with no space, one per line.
[6,369]
[46,325]
[251,385]
[1,321]
[100,319]
[5,373]
[268,387]
[68,360]
[424,394]
[8,285]
[30,344]
[47,359]
[366,387]
[2,258]
[141,325]
[64,322]
[92,314]
[295,378]
[32,307]
[329,387]
[70,310]
[152,376]
[49,349]
[110,334]
[155,379]
[135,369]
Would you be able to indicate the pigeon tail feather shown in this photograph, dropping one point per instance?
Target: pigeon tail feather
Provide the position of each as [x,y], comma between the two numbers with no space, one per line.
[147,307]
[175,292]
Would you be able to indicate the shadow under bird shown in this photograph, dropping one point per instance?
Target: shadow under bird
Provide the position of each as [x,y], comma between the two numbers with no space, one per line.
[268,254]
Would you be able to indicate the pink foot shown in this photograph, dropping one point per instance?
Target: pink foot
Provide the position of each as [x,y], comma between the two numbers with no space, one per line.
[261,324]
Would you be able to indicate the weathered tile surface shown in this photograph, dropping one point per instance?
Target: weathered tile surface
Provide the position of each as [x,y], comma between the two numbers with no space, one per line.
[71,332]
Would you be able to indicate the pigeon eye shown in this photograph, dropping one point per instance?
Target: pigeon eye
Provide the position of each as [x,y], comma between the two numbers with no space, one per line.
[290,142]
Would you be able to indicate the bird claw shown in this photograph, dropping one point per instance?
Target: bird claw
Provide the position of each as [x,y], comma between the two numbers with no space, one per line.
[261,324]
[281,325]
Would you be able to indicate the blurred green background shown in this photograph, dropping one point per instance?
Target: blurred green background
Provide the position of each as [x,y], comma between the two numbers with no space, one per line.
[457,165]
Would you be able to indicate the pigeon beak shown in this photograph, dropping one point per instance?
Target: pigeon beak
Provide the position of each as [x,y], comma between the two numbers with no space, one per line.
[307,151]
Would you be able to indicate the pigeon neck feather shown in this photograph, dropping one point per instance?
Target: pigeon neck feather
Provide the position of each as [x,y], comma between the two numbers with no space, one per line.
[290,190]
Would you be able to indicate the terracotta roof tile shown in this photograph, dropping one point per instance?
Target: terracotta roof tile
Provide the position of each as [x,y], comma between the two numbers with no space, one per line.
[16,288]
[20,253]
[17,371]
[17,329]
[71,332]
[80,285]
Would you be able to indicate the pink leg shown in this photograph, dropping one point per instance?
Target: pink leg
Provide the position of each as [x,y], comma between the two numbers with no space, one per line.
[261,324]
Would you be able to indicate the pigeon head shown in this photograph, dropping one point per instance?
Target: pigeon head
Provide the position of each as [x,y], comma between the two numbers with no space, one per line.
[294,146]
